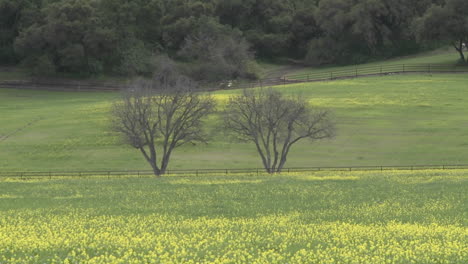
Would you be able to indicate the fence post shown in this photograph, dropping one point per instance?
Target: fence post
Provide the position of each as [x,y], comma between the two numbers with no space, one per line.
[226,172]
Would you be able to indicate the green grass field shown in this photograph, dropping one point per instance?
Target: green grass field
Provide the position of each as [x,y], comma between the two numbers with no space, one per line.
[392,120]
[445,56]
[326,217]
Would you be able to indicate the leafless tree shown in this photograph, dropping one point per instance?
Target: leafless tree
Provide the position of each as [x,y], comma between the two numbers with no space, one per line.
[156,117]
[274,123]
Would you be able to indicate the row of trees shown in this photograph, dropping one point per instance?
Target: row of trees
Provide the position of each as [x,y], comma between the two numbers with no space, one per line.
[156,116]
[121,37]
[217,39]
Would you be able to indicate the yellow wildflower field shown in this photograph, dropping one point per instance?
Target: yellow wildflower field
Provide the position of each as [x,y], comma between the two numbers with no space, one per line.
[323,217]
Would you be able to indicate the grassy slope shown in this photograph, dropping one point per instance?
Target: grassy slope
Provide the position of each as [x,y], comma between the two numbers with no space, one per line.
[392,120]
[359,217]
[442,57]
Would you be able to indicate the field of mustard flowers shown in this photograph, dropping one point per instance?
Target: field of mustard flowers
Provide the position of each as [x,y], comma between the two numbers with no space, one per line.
[323,217]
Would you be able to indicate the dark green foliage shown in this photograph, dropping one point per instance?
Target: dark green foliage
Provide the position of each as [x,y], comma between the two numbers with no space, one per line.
[12,15]
[135,58]
[357,30]
[448,23]
[8,15]
[182,18]
[71,34]
[122,36]
[275,28]
[217,52]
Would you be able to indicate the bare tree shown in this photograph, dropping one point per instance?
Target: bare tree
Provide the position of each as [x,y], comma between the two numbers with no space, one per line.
[274,123]
[156,118]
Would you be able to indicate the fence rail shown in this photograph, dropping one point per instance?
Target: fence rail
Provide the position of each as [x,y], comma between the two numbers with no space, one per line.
[321,75]
[220,172]
[378,70]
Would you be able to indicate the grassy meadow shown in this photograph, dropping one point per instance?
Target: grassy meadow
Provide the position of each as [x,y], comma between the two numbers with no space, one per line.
[323,217]
[444,56]
[391,120]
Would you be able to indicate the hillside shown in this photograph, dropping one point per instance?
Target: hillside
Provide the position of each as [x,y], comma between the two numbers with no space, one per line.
[391,120]
[444,56]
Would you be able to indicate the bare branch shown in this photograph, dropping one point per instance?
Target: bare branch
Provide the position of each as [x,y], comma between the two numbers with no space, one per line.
[160,115]
[274,123]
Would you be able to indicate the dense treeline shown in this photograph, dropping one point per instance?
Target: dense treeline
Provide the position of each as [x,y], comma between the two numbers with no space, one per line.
[217,39]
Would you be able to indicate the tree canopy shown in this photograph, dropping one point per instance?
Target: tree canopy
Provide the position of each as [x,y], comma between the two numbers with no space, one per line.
[124,37]
[446,23]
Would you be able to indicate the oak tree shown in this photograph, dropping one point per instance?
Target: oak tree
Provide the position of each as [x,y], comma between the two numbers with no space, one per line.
[274,123]
[156,117]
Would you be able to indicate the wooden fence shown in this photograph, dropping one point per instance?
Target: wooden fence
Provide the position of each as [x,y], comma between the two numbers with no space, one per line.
[319,75]
[354,72]
[218,172]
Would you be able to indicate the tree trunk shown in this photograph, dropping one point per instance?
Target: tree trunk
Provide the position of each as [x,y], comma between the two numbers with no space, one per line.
[462,55]
[152,161]
[265,162]
[284,156]
[459,48]
[165,161]
[281,164]
[157,172]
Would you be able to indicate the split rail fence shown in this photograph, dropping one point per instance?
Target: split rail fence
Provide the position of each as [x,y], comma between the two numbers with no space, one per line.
[353,72]
[320,75]
[216,172]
